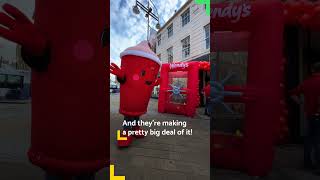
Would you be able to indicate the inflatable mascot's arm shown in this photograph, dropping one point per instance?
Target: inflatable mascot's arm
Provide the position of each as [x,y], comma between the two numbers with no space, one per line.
[19,29]
[119,73]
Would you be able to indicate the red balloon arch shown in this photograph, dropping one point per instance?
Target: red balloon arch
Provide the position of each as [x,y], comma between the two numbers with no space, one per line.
[302,13]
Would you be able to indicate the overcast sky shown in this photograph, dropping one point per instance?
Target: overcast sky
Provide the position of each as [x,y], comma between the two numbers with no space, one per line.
[8,49]
[128,29]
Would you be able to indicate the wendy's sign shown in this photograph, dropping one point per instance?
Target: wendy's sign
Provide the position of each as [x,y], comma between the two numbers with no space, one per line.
[242,15]
[179,66]
[232,11]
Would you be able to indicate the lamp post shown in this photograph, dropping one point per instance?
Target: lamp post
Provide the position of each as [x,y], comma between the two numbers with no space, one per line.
[148,10]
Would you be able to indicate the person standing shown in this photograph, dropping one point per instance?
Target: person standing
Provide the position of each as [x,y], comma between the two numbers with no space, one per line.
[310,88]
[206,92]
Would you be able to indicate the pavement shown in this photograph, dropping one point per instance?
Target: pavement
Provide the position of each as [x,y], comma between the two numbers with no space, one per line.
[164,157]
[15,121]
[23,101]
[151,158]
[288,165]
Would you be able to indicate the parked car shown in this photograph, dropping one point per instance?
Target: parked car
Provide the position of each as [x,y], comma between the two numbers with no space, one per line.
[114,89]
[13,94]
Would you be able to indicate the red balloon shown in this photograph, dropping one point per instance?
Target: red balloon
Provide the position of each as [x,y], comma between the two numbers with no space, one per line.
[305,20]
[314,19]
[293,11]
[316,9]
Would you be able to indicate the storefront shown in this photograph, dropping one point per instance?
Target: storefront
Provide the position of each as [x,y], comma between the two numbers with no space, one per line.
[14,84]
[261,53]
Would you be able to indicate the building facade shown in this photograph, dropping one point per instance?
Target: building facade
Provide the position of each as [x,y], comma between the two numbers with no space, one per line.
[15,77]
[185,36]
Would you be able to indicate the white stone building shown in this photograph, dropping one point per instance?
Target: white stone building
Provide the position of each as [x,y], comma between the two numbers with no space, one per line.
[185,36]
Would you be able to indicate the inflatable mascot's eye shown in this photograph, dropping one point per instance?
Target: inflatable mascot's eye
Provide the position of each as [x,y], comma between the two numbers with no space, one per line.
[143,72]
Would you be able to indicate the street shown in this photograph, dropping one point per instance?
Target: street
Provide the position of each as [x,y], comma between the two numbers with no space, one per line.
[15,121]
[164,157]
[288,165]
[151,158]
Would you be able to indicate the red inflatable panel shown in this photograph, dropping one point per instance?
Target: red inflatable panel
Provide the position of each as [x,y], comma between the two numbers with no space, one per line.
[228,42]
[70,121]
[264,21]
[228,148]
[186,75]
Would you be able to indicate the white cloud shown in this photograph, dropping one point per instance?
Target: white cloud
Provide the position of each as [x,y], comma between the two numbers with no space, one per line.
[128,29]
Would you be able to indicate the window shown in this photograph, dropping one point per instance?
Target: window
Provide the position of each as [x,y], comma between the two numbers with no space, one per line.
[170,55]
[11,81]
[185,47]
[170,30]
[159,39]
[3,80]
[154,48]
[185,17]
[207,35]
[178,79]
[15,81]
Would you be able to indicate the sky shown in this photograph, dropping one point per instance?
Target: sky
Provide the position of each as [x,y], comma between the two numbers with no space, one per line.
[128,29]
[7,48]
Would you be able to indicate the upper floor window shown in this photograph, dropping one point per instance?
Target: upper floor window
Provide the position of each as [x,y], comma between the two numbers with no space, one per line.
[207,35]
[185,47]
[154,48]
[185,17]
[170,30]
[170,54]
[159,39]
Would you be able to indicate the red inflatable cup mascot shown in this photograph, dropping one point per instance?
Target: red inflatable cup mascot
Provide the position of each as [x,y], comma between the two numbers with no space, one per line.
[69,137]
[137,76]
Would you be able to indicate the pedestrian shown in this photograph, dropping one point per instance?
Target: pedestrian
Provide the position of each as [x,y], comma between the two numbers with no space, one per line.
[206,92]
[310,88]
